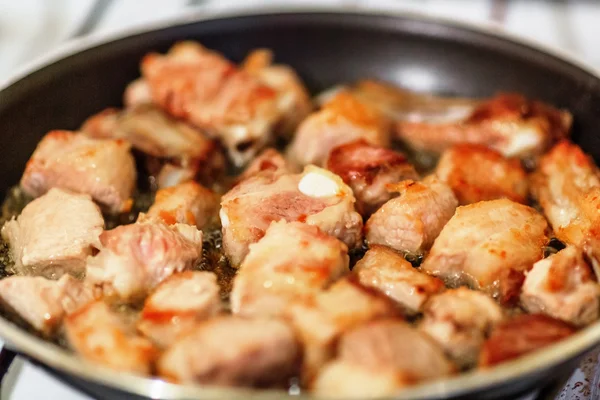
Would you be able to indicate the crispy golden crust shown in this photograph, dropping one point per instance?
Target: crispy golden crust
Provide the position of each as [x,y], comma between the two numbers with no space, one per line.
[477,173]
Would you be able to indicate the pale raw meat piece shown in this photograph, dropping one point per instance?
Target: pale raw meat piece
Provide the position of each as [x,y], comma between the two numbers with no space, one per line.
[348,380]
[460,320]
[46,240]
[291,262]
[379,358]
[102,168]
[41,302]
[563,286]
[489,246]
[100,336]
[233,351]
[134,259]
[178,304]
[393,343]
[410,222]
[316,197]
[321,320]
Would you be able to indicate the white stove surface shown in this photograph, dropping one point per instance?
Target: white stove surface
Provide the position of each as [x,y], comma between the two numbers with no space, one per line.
[29,28]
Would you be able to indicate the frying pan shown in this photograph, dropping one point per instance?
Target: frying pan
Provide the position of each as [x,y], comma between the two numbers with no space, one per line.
[326,47]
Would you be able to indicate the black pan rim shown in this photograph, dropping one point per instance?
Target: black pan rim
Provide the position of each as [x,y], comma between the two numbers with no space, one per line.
[58,359]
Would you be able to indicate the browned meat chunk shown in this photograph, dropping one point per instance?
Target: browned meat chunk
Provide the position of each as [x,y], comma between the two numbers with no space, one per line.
[489,246]
[43,303]
[104,169]
[154,133]
[368,169]
[134,258]
[563,287]
[293,99]
[411,222]
[387,271]
[567,186]
[385,356]
[178,304]
[202,87]
[46,240]
[477,173]
[521,335]
[342,120]
[187,203]
[316,197]
[99,335]
[459,320]
[509,123]
[292,261]
[233,351]
[269,161]
[321,320]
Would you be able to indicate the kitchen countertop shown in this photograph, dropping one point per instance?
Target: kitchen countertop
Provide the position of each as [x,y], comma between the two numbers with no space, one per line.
[29,28]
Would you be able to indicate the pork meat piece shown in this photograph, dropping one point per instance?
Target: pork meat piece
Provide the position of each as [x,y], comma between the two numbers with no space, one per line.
[489,246]
[522,335]
[380,358]
[320,320]
[46,240]
[153,132]
[102,168]
[406,105]
[387,271]
[341,120]
[133,259]
[268,161]
[316,197]
[186,203]
[459,320]
[567,186]
[563,286]
[411,222]
[477,173]
[368,169]
[178,304]
[508,123]
[291,262]
[393,343]
[232,351]
[293,100]
[101,336]
[137,93]
[203,88]
[41,302]
[347,380]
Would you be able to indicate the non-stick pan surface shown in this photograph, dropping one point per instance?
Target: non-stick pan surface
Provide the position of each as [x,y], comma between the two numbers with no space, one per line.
[326,48]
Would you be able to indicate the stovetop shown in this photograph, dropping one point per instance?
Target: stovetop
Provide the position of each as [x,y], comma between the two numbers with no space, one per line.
[28,28]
